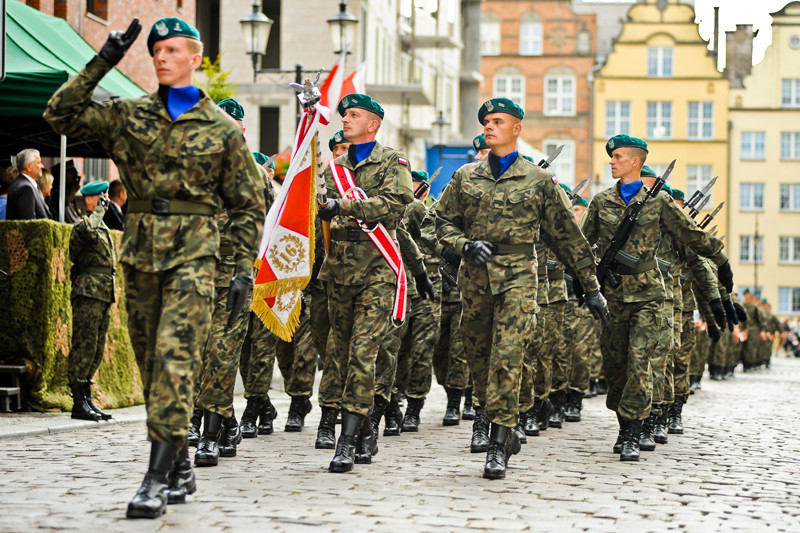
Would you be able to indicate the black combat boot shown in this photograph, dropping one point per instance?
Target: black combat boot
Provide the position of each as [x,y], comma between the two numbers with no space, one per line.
[326,431]
[231,437]
[556,420]
[88,393]
[519,429]
[452,416]
[529,425]
[344,458]
[151,498]
[714,373]
[620,436]
[80,407]
[207,453]
[503,443]
[646,441]
[298,410]
[544,408]
[411,418]
[265,417]
[630,444]
[675,419]
[480,432]
[602,387]
[660,427]
[394,417]
[193,437]
[469,410]
[572,410]
[181,479]
[366,443]
[250,417]
[592,389]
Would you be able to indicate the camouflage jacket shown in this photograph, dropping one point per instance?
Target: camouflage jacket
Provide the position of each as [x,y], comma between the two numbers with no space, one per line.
[683,260]
[431,244]
[413,260]
[416,215]
[660,215]
[201,157]
[91,245]
[387,183]
[542,280]
[554,272]
[510,210]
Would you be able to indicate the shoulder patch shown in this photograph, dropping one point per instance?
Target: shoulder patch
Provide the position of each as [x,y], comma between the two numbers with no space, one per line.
[553,177]
[402,161]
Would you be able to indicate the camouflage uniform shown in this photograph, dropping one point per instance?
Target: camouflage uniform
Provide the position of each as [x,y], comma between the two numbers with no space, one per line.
[560,363]
[257,359]
[530,363]
[580,340]
[201,161]
[499,298]
[91,250]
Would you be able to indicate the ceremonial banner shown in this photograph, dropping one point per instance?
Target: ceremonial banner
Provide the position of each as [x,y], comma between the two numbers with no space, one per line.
[333,84]
[286,254]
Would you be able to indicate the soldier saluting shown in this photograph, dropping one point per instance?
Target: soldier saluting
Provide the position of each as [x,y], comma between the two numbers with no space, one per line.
[181,160]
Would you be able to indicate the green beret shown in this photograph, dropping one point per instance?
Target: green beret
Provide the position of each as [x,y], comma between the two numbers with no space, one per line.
[565,187]
[500,105]
[170,27]
[338,138]
[260,158]
[529,158]
[479,142]
[94,188]
[648,172]
[233,108]
[678,194]
[666,188]
[419,175]
[620,141]
[362,101]
[582,201]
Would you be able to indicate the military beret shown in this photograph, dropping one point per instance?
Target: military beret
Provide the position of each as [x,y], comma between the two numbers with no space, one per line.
[94,188]
[233,108]
[666,188]
[529,158]
[419,175]
[582,201]
[479,142]
[260,158]
[169,27]
[620,141]
[678,194]
[565,187]
[648,172]
[363,101]
[338,138]
[500,105]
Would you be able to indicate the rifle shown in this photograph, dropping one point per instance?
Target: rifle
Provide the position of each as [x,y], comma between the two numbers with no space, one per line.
[546,164]
[605,270]
[425,185]
[448,277]
[699,199]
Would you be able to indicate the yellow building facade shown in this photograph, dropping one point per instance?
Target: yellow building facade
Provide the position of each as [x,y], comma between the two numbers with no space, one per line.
[660,83]
[764,218]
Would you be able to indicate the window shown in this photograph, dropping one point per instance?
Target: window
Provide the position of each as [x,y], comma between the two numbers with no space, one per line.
[790,93]
[208,24]
[659,62]
[559,94]
[753,144]
[490,34]
[790,250]
[583,43]
[95,169]
[512,87]
[563,168]
[618,118]
[751,197]
[751,250]
[788,300]
[530,35]
[701,121]
[790,197]
[790,145]
[60,9]
[697,177]
[98,8]
[659,120]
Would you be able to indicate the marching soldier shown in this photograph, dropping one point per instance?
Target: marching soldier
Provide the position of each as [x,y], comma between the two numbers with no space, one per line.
[181,161]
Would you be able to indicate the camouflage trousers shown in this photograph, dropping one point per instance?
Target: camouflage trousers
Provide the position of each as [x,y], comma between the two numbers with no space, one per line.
[90,318]
[330,383]
[595,354]
[751,349]
[700,353]
[416,350]
[497,331]
[683,357]
[659,361]
[526,392]
[386,362]
[627,343]
[257,358]
[360,319]
[449,358]
[560,360]
[721,352]
[580,338]
[169,317]
[220,359]
[669,384]
[297,360]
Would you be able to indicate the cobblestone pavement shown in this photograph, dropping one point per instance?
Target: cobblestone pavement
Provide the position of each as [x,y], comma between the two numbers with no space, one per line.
[735,469]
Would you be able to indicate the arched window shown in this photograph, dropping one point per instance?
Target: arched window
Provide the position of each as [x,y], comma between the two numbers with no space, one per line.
[490,34]
[559,92]
[530,35]
[509,82]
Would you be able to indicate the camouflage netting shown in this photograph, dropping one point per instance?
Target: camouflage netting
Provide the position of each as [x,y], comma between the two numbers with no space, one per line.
[36,319]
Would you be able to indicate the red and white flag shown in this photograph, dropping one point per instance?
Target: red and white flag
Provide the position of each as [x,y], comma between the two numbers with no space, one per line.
[332,87]
[286,254]
[354,83]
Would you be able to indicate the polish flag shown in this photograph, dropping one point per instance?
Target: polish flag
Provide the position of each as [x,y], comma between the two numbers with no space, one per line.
[354,83]
[333,84]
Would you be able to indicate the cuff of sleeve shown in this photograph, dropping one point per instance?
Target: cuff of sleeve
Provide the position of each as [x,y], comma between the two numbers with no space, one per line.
[460,242]
[720,259]
[589,282]
[419,268]
[243,267]
[99,62]
[346,208]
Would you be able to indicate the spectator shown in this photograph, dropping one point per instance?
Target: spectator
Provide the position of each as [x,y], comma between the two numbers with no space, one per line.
[24,200]
[45,184]
[115,216]
[74,205]
[7,175]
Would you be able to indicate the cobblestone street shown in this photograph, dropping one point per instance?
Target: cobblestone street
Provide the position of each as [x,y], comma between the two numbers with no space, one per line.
[734,469]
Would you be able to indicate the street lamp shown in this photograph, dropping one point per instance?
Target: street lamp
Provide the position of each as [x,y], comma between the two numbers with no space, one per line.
[441,129]
[255,30]
[343,28]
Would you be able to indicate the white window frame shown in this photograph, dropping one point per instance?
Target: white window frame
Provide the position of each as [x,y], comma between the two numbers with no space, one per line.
[563,168]
[660,62]
[618,122]
[507,91]
[789,250]
[790,93]
[790,197]
[560,102]
[697,177]
[753,145]
[750,252]
[659,115]
[700,122]
[749,196]
[490,37]
[790,145]
[789,300]
[531,38]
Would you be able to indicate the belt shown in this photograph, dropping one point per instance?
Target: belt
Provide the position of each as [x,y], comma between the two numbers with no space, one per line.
[555,275]
[663,266]
[225,249]
[568,279]
[683,279]
[163,206]
[505,249]
[354,235]
[97,270]
[541,271]
[626,270]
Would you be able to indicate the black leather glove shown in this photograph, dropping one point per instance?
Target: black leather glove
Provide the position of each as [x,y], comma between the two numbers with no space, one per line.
[424,285]
[118,43]
[577,288]
[730,313]
[741,314]
[719,312]
[330,210]
[598,306]
[726,276]
[103,201]
[713,332]
[479,252]
[241,284]
[451,257]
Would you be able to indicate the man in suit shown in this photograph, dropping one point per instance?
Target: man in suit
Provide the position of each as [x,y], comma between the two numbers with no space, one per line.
[114,217]
[25,202]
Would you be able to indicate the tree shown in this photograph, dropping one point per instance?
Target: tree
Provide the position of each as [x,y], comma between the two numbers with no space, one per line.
[217,85]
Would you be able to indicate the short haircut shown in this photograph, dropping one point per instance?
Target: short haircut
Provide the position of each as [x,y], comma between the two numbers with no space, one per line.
[194,46]
[115,188]
[25,157]
[637,152]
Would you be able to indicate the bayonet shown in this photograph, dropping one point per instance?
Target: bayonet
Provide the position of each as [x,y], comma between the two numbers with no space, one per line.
[713,231]
[699,196]
[546,164]
[578,190]
[665,176]
[270,160]
[709,217]
[425,185]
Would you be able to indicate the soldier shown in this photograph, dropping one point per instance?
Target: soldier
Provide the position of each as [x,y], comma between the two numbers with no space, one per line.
[491,214]
[481,148]
[630,339]
[181,161]
[91,250]
[361,282]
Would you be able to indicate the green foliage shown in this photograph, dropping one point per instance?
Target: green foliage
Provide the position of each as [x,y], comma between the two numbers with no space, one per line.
[217,85]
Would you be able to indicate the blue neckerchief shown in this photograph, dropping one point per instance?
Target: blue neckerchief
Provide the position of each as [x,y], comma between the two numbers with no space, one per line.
[629,190]
[359,152]
[180,100]
[500,164]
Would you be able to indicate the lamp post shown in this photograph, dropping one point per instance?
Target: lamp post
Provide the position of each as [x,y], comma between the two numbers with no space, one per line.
[441,129]
[756,241]
[343,28]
